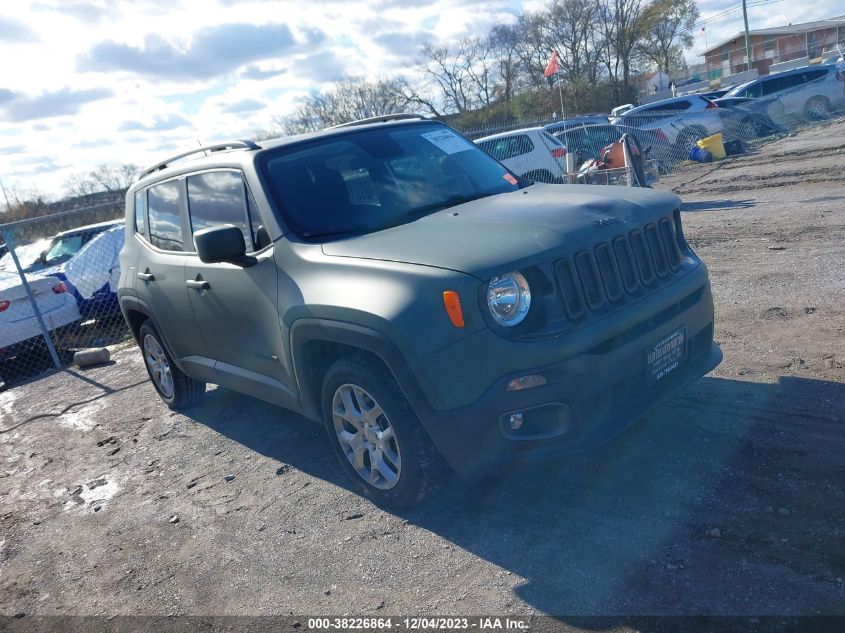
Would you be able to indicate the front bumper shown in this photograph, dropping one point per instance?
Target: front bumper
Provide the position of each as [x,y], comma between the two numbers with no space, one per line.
[595,394]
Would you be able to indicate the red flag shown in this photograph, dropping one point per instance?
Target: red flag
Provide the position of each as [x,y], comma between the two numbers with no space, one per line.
[552,67]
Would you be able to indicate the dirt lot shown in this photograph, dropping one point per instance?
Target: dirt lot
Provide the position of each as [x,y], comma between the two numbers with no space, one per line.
[728,500]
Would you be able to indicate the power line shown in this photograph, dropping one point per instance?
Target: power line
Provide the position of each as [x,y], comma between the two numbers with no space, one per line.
[721,14]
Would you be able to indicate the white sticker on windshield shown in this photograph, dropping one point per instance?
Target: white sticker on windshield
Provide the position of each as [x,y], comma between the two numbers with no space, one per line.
[448,141]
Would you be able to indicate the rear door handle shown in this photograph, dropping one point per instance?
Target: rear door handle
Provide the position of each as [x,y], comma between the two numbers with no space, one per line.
[198,285]
[146,276]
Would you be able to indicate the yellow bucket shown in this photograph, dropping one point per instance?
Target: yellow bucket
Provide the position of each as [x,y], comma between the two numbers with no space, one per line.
[715,145]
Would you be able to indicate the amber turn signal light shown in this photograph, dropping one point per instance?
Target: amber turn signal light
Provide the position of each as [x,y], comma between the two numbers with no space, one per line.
[453,307]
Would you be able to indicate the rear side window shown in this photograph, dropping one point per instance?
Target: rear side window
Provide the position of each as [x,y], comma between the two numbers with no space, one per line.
[217,198]
[551,139]
[139,212]
[812,75]
[675,107]
[164,217]
[508,147]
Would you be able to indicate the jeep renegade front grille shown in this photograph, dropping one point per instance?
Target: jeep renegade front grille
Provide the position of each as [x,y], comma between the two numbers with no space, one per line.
[607,274]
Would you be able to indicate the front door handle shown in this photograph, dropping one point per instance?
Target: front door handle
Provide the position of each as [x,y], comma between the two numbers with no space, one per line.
[198,284]
[146,276]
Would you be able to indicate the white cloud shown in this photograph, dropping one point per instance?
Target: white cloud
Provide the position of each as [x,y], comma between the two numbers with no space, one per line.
[92,81]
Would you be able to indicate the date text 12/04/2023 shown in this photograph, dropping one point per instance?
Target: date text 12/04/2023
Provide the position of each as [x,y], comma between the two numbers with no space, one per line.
[419,623]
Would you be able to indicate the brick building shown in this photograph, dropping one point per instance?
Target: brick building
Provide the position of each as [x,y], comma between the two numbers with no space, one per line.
[811,40]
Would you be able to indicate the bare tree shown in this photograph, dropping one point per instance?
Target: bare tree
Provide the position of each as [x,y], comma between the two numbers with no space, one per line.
[570,25]
[352,99]
[503,41]
[622,27]
[668,31]
[114,178]
[534,46]
[80,186]
[446,66]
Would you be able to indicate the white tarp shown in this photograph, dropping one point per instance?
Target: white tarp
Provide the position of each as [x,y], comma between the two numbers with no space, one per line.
[96,264]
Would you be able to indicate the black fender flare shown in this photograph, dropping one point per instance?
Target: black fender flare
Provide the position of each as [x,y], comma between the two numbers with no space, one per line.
[131,302]
[307,330]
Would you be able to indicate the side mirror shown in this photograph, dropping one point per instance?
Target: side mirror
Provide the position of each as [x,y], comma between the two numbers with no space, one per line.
[223,243]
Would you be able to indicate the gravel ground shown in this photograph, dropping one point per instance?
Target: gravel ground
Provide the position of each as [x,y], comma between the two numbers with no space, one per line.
[728,499]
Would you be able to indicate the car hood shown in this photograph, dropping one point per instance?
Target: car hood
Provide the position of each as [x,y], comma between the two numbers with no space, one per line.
[513,230]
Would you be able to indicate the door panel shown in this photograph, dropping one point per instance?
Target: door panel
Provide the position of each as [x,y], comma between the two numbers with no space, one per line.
[236,311]
[235,306]
[160,283]
[160,271]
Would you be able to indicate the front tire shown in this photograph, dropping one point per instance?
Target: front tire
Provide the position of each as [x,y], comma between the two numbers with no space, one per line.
[817,109]
[750,128]
[377,436]
[175,388]
[688,139]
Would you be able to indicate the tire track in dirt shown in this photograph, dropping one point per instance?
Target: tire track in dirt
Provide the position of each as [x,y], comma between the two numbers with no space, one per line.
[765,181]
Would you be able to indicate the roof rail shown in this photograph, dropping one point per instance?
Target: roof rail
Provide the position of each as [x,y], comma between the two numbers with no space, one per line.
[384,118]
[219,147]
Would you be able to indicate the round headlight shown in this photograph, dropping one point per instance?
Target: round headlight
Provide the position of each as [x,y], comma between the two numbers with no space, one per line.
[509,298]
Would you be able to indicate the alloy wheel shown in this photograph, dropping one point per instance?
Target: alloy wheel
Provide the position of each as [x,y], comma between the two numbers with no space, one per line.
[366,436]
[817,108]
[158,365]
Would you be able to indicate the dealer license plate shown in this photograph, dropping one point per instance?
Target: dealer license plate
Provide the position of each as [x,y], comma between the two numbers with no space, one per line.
[666,355]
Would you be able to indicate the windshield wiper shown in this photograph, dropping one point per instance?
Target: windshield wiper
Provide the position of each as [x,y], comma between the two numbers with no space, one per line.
[452,201]
[331,233]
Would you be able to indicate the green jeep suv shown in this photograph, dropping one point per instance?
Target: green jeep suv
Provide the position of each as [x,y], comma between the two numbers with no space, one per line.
[390,280]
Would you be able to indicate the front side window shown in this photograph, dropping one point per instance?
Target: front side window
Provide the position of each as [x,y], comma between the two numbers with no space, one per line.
[216,198]
[756,90]
[791,81]
[812,75]
[368,180]
[163,202]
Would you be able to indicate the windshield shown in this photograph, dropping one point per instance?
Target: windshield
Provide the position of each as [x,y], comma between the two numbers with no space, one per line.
[376,178]
[62,248]
[28,256]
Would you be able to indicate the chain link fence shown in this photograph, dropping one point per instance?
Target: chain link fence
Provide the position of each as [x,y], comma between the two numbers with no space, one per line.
[668,133]
[58,288]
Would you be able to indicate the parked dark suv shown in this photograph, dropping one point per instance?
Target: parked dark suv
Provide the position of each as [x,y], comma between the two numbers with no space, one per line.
[393,282]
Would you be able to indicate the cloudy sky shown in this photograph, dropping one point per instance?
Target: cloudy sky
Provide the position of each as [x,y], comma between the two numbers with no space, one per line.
[85,82]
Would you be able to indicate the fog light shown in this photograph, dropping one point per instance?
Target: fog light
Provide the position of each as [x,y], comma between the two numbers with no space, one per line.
[515,420]
[526,382]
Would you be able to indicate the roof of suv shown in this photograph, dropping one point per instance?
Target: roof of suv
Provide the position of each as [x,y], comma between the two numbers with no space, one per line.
[236,151]
[656,104]
[524,130]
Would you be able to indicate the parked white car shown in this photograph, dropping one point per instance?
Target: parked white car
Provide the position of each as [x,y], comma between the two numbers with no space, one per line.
[18,324]
[682,120]
[531,153]
[618,111]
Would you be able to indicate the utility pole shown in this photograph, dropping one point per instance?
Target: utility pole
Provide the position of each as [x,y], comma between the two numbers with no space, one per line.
[747,38]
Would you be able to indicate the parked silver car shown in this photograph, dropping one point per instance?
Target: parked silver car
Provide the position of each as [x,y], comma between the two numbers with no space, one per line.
[682,120]
[811,92]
